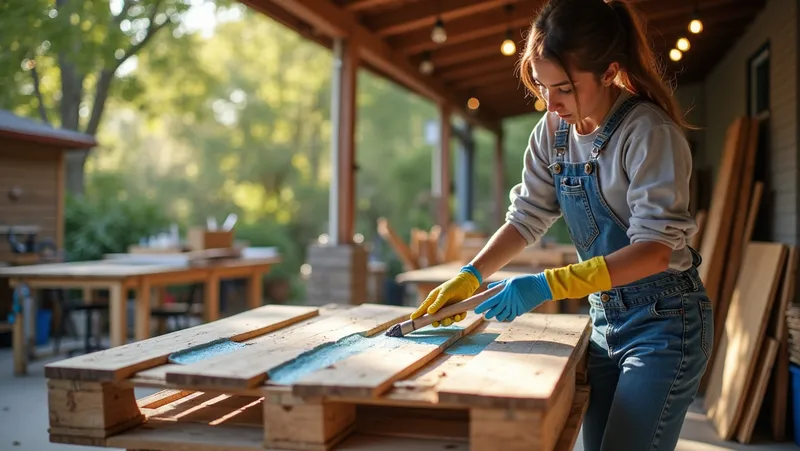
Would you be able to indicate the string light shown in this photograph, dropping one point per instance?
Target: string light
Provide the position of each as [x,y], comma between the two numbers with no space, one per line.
[473,103]
[539,104]
[508,47]
[675,55]
[439,34]
[696,26]
[426,65]
[683,44]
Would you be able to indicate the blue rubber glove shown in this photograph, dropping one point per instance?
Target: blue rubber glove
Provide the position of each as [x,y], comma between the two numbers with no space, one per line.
[519,295]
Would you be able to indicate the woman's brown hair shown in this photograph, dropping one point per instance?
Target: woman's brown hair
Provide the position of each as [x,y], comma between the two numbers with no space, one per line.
[589,35]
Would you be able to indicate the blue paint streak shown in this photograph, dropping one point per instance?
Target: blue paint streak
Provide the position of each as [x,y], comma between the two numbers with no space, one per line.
[329,353]
[471,344]
[202,352]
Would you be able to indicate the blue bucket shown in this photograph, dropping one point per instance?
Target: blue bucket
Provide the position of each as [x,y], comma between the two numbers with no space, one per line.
[795,372]
[43,320]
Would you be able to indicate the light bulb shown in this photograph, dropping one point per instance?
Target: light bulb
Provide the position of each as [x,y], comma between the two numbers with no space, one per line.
[438,34]
[683,44]
[675,55]
[473,103]
[696,26]
[508,47]
[539,104]
[426,66]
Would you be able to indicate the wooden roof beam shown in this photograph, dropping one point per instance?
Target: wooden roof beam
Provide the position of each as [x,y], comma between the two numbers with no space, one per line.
[424,14]
[361,5]
[339,23]
[468,51]
[469,28]
[498,63]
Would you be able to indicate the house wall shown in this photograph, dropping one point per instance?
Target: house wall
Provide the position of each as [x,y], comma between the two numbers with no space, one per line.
[38,170]
[725,92]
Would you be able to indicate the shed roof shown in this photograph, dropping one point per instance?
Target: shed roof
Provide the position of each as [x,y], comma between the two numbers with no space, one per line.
[17,127]
[395,36]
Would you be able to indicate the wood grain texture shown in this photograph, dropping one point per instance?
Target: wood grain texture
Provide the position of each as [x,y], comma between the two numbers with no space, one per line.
[757,390]
[372,372]
[248,367]
[741,340]
[121,362]
[718,224]
[545,348]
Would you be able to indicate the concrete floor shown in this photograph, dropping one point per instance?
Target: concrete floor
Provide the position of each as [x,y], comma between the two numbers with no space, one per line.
[24,418]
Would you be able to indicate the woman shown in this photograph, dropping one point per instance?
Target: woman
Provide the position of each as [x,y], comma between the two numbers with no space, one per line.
[611,157]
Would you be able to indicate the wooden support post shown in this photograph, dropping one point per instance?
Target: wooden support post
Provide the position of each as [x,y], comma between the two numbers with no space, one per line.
[343,112]
[142,324]
[501,196]
[211,306]
[516,429]
[20,345]
[118,311]
[90,409]
[443,190]
[311,427]
[255,290]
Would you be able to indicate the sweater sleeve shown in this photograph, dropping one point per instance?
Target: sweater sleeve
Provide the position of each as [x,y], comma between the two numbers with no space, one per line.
[534,207]
[658,162]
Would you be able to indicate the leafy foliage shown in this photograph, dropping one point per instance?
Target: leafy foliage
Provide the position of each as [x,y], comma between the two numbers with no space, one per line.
[231,117]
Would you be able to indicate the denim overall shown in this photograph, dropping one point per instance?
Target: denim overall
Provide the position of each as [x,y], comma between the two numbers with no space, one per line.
[651,339]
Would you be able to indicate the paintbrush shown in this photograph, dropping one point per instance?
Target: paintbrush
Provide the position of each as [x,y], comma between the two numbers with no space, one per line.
[408,326]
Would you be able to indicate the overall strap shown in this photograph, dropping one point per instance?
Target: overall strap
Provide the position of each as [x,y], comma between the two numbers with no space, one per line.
[611,125]
[562,139]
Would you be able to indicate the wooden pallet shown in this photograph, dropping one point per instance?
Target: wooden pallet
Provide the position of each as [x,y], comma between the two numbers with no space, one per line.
[479,386]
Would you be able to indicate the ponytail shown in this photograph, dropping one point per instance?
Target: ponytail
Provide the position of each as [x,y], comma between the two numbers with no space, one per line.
[589,35]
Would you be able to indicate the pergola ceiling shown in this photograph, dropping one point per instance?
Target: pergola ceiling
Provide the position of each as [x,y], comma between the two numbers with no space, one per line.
[396,37]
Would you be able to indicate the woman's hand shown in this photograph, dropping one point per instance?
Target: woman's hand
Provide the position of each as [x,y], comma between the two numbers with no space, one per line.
[460,287]
[519,295]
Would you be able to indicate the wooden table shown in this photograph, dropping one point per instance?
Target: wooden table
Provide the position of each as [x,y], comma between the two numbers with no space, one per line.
[426,279]
[479,385]
[120,275]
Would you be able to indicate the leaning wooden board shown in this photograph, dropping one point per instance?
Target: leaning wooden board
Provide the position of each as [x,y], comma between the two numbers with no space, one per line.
[327,378]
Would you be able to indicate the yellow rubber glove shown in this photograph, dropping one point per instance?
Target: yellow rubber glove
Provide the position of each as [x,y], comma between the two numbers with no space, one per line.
[460,287]
[579,279]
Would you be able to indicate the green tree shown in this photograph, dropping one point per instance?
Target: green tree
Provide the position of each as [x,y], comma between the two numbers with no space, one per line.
[62,58]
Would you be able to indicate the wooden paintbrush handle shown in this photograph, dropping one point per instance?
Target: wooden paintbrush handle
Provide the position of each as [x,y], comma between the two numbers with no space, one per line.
[460,307]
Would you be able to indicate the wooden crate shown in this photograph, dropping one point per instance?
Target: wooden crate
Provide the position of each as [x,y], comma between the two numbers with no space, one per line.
[478,386]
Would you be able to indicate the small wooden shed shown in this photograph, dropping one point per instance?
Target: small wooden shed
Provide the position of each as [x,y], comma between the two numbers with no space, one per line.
[32,180]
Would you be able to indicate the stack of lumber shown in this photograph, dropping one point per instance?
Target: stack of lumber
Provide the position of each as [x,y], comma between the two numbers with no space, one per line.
[751,285]
[424,248]
[307,378]
[793,325]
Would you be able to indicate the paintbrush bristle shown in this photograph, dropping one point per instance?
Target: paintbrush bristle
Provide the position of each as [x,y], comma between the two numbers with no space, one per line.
[395,331]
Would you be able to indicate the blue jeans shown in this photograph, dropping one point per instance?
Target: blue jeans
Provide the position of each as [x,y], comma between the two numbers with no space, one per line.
[650,346]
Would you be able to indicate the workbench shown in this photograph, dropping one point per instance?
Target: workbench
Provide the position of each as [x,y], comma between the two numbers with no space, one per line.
[327,378]
[120,275]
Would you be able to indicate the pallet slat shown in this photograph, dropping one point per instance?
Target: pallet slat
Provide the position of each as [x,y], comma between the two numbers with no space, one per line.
[249,366]
[544,346]
[372,371]
[118,363]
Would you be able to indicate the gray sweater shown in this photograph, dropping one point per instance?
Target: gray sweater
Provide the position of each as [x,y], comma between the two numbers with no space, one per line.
[644,177]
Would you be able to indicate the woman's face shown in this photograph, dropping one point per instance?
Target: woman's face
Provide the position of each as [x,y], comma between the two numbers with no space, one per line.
[559,95]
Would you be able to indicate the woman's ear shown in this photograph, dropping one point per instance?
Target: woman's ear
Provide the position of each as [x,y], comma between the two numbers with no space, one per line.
[610,74]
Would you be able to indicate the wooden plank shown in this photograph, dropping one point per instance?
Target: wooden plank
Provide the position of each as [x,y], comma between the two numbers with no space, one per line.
[721,307]
[744,330]
[421,386]
[372,371]
[544,348]
[723,200]
[248,367]
[738,239]
[779,388]
[755,394]
[118,363]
